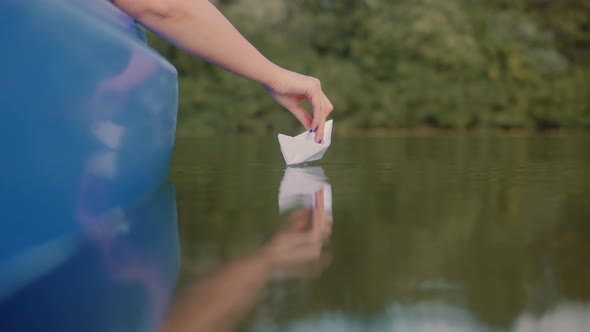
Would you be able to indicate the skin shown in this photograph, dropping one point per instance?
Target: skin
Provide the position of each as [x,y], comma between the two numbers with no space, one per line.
[197,27]
[219,301]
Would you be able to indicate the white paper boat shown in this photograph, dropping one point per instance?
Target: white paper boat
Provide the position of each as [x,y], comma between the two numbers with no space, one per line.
[302,148]
[299,186]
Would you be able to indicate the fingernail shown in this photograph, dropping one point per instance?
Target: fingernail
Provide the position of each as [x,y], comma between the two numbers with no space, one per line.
[316,128]
[320,142]
[310,131]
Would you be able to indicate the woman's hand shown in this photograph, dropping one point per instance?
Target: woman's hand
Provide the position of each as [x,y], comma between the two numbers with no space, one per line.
[296,251]
[201,30]
[289,89]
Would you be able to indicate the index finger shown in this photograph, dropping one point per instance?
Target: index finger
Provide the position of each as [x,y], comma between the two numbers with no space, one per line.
[318,214]
[326,108]
[319,107]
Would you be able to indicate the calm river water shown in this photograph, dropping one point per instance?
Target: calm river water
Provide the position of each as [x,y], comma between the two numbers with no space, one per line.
[437,233]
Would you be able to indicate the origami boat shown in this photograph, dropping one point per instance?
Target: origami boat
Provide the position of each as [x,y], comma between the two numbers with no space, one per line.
[302,148]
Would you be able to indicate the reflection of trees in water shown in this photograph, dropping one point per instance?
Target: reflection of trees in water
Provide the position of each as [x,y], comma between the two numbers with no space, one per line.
[504,234]
[573,271]
[494,226]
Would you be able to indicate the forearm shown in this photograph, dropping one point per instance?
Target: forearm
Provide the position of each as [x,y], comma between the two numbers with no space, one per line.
[200,29]
[219,301]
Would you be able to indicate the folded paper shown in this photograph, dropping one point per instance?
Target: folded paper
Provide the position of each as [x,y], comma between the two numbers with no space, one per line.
[302,148]
[299,186]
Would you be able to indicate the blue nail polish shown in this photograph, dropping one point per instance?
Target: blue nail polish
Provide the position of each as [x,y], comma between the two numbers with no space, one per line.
[310,131]
[320,142]
[316,128]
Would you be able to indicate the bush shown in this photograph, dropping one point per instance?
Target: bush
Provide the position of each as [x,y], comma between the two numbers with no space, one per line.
[405,63]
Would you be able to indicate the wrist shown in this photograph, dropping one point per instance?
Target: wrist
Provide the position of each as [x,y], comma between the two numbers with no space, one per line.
[262,262]
[272,76]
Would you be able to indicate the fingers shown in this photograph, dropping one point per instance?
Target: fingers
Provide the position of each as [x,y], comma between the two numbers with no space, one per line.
[329,105]
[318,215]
[299,220]
[294,249]
[306,254]
[299,112]
[308,269]
[296,240]
[328,108]
[321,108]
[319,203]
[319,135]
[319,116]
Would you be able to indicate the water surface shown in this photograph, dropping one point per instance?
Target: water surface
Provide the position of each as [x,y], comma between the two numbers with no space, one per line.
[443,233]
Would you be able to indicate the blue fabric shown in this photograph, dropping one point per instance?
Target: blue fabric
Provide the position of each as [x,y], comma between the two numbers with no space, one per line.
[120,279]
[141,33]
[88,124]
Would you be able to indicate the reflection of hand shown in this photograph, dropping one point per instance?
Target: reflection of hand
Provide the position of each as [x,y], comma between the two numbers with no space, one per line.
[220,300]
[296,251]
[291,88]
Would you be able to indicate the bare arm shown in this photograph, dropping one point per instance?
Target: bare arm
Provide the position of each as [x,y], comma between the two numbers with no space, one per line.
[219,301]
[200,29]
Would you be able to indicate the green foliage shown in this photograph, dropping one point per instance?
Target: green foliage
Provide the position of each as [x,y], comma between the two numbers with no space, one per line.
[405,63]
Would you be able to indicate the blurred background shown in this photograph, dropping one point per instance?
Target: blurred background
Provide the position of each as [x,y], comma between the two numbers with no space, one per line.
[391,65]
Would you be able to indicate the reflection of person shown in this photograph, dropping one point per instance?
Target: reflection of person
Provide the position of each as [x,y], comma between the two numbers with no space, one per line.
[199,28]
[220,300]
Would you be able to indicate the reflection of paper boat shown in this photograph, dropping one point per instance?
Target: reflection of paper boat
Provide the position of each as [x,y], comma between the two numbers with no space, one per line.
[299,186]
[302,148]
